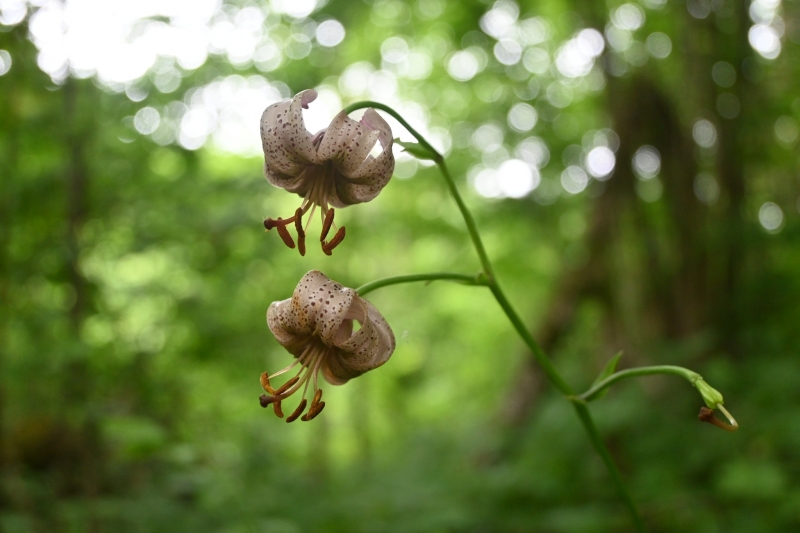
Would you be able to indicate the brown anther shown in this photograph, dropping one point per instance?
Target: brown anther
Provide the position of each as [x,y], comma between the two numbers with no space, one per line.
[707,415]
[312,413]
[286,385]
[265,383]
[298,222]
[326,225]
[277,407]
[301,234]
[297,412]
[284,233]
[264,400]
[317,398]
[328,247]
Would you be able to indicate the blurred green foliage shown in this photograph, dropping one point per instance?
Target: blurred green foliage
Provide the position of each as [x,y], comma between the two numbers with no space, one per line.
[135,275]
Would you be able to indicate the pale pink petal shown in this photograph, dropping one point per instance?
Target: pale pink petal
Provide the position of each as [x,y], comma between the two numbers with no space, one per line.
[374,121]
[368,181]
[288,146]
[346,143]
[367,349]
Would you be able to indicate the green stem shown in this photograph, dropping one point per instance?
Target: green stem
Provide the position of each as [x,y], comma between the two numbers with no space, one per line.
[538,354]
[594,436]
[466,279]
[599,387]
[550,371]
[377,105]
[472,227]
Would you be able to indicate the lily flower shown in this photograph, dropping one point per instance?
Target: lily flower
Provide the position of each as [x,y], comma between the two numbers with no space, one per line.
[331,169]
[316,326]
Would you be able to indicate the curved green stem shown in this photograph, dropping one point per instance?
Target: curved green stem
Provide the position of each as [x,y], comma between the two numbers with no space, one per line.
[541,358]
[466,279]
[377,105]
[599,387]
[472,227]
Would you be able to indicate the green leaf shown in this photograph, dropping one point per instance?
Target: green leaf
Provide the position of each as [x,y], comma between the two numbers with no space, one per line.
[609,369]
[417,150]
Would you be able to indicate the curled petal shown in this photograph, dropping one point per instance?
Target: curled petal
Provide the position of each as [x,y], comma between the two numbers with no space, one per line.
[288,146]
[374,121]
[367,349]
[366,181]
[318,307]
[347,144]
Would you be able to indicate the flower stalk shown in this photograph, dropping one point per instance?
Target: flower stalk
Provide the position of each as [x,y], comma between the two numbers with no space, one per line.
[541,358]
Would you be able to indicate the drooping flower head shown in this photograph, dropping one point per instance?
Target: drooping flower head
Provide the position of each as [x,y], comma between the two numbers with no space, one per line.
[330,169]
[316,326]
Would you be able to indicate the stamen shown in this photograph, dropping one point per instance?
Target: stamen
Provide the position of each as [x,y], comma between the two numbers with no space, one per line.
[301,235]
[287,385]
[329,246]
[272,223]
[277,407]
[311,215]
[265,383]
[284,233]
[297,412]
[317,397]
[284,370]
[265,400]
[326,225]
[312,413]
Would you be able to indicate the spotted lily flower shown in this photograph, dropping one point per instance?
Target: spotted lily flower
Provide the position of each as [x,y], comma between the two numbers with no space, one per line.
[331,169]
[316,326]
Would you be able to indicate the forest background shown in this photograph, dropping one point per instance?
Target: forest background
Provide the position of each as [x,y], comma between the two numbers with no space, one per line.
[634,171]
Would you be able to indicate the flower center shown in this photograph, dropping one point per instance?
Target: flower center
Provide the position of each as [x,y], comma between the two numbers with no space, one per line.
[310,360]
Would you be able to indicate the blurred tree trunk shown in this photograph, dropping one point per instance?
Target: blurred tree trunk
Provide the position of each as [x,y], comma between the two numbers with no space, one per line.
[78,383]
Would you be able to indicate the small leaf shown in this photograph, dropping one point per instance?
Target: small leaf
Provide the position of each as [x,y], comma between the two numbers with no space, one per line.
[609,369]
[417,150]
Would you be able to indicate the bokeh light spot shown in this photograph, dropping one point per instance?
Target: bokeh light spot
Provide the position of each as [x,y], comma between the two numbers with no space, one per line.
[507,51]
[723,74]
[728,105]
[574,179]
[600,162]
[770,215]
[706,188]
[704,133]
[463,65]
[329,33]
[5,62]
[786,130]
[487,137]
[659,45]
[628,17]
[534,151]
[765,40]
[646,162]
[650,190]
[522,117]
[146,120]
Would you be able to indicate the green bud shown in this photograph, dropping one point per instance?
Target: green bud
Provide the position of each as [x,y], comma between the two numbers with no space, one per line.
[711,396]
